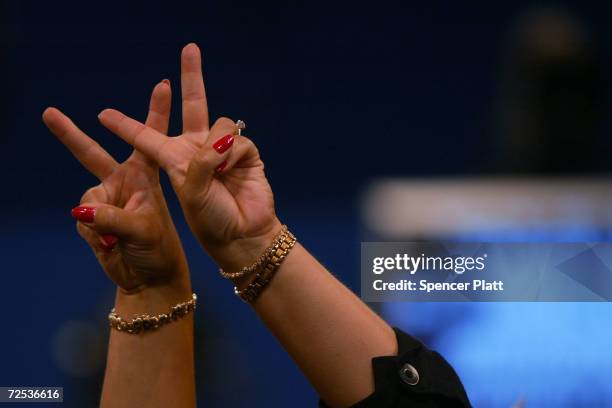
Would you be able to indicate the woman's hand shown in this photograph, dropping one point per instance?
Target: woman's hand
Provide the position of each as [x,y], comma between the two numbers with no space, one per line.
[125,218]
[217,174]
[219,178]
[126,222]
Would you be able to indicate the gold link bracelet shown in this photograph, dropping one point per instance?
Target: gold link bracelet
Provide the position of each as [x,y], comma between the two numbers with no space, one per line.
[145,322]
[258,264]
[274,256]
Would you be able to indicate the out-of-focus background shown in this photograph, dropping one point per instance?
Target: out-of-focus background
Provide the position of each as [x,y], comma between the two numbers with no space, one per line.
[376,120]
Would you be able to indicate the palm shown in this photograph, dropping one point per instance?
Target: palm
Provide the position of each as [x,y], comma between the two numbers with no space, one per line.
[133,186]
[244,201]
[238,203]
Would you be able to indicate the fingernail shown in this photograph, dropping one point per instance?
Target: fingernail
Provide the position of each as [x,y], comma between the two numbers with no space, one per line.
[110,115]
[166,81]
[221,167]
[223,144]
[83,213]
[102,113]
[109,241]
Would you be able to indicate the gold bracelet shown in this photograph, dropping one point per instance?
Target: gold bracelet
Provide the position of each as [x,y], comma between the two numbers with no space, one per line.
[258,264]
[276,254]
[145,322]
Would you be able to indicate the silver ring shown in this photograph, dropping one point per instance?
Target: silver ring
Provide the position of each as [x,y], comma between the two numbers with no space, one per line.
[241,126]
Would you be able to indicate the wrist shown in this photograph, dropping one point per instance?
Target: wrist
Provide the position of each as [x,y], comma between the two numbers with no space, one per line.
[244,251]
[153,299]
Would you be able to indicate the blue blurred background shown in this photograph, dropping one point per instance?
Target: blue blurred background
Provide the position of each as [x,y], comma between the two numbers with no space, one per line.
[337,96]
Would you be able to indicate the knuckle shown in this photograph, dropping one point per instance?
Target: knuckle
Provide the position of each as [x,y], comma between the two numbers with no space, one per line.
[138,131]
[248,143]
[108,217]
[224,122]
[193,95]
[88,195]
[200,161]
[93,195]
[81,230]
[248,148]
[190,200]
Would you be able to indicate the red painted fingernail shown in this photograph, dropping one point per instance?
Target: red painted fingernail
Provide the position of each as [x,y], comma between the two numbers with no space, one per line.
[83,213]
[166,81]
[223,144]
[221,167]
[109,241]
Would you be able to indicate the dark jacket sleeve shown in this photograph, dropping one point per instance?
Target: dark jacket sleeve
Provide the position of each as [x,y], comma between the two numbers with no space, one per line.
[416,378]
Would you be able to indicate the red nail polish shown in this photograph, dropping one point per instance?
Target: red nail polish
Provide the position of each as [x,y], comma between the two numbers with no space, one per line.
[109,241]
[83,213]
[223,144]
[166,81]
[221,167]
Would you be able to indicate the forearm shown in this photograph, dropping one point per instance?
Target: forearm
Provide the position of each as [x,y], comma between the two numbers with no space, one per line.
[151,369]
[330,333]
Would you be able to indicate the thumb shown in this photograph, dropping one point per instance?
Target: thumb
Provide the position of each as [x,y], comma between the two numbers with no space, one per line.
[110,220]
[211,157]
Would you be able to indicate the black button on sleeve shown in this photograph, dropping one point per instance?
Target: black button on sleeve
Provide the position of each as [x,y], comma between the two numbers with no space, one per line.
[416,378]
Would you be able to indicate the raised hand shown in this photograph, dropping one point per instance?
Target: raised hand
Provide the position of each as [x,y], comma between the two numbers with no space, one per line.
[216,173]
[125,218]
[228,203]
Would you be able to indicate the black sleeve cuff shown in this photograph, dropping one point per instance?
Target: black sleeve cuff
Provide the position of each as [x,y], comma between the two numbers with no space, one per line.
[416,377]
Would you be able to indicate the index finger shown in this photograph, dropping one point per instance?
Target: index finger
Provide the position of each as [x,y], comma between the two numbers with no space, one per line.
[87,151]
[143,138]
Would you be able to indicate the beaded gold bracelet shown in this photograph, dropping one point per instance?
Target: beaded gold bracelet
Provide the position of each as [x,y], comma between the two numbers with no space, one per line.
[145,322]
[274,256]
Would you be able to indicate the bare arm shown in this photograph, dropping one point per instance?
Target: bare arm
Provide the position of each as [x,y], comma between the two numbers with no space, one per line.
[126,223]
[228,203]
[152,369]
[329,332]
